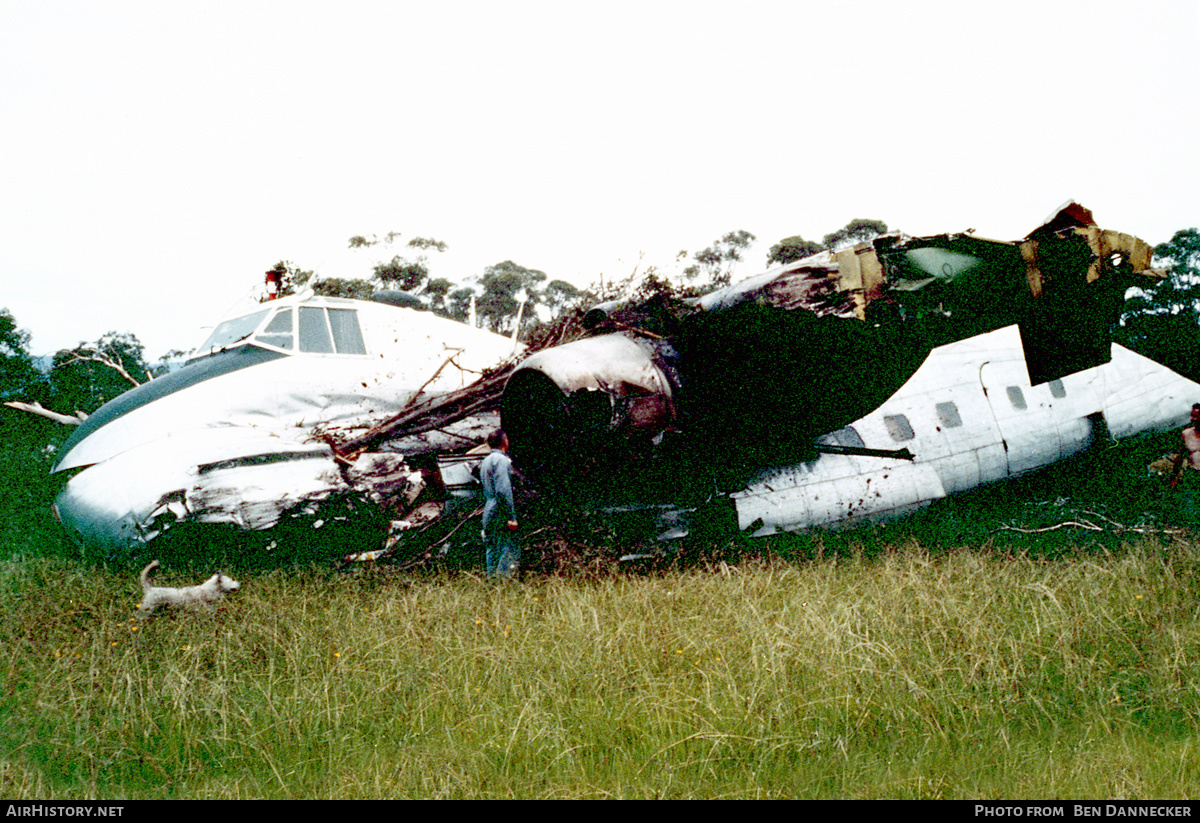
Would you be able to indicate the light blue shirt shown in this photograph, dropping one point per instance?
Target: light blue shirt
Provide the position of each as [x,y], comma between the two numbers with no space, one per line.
[496,474]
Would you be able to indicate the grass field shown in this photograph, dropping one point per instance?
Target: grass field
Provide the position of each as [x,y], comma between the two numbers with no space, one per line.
[942,657]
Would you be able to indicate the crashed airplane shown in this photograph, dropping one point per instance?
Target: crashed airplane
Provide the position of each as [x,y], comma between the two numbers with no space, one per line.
[259,422]
[857,384]
[853,385]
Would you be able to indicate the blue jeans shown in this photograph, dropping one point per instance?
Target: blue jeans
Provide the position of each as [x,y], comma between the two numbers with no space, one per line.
[503,550]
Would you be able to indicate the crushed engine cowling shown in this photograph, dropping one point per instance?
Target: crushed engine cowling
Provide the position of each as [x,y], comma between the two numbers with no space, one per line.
[570,405]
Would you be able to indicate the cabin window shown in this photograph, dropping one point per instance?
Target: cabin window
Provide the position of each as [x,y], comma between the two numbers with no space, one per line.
[346,334]
[898,427]
[314,333]
[948,414]
[1057,389]
[1017,398]
[279,331]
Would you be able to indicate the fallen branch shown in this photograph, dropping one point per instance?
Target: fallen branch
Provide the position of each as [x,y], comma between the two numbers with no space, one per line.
[1116,527]
[1084,525]
[435,412]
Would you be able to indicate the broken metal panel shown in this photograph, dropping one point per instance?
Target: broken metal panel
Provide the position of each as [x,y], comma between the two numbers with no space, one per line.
[1033,275]
[229,475]
[814,284]
[1113,250]
[861,274]
[1069,215]
[460,473]
[256,496]
[384,476]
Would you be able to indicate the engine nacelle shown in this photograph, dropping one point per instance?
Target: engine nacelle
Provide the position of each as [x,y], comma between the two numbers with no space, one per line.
[588,396]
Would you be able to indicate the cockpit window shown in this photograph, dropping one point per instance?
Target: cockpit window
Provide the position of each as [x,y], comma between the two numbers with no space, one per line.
[232,331]
[346,334]
[316,329]
[278,332]
[314,333]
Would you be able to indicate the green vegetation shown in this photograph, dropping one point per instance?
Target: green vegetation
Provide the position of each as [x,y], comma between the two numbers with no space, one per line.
[941,656]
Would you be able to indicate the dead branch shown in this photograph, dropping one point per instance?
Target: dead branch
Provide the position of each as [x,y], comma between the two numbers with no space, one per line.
[42,411]
[435,412]
[1118,528]
[1084,525]
[104,359]
[413,400]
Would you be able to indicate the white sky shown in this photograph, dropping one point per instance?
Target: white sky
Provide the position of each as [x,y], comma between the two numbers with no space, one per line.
[156,158]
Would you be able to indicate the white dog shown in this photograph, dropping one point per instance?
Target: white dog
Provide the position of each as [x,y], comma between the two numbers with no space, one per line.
[207,593]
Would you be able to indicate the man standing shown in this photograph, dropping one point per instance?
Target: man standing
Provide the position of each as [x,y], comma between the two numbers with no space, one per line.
[499,511]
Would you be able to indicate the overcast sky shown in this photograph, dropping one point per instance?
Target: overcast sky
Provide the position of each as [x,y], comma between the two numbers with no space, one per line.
[156,158]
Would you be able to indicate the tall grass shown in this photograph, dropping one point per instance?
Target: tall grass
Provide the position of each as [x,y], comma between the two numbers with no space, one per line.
[940,656]
[907,675]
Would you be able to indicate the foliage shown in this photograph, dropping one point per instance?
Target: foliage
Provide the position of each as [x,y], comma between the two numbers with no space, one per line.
[349,287]
[717,261]
[436,295]
[358,241]
[88,376]
[791,249]
[400,273]
[1163,322]
[857,230]
[559,297]
[458,303]
[171,359]
[19,377]
[498,292]
[505,286]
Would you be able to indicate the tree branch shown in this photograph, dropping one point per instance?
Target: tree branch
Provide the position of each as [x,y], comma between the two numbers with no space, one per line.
[105,359]
[42,411]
